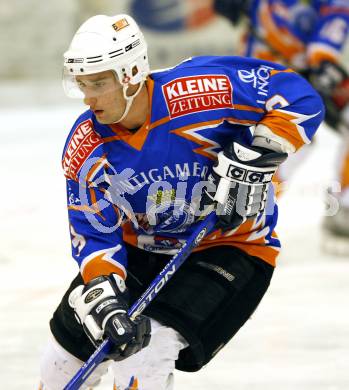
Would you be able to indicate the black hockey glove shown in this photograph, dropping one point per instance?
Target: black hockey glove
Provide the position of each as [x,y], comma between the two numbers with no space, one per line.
[332,83]
[239,183]
[101,307]
[232,9]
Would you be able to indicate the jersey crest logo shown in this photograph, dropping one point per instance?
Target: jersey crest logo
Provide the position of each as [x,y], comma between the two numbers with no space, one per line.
[81,145]
[187,95]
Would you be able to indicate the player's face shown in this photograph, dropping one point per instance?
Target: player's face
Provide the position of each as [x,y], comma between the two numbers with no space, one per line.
[103,93]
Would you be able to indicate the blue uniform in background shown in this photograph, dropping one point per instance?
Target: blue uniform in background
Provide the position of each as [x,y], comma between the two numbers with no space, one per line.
[300,33]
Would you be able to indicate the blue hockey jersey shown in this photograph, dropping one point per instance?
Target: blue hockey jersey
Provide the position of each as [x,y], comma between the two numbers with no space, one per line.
[302,33]
[143,188]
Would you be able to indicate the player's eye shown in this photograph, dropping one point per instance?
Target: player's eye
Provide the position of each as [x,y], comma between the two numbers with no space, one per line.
[80,84]
[99,84]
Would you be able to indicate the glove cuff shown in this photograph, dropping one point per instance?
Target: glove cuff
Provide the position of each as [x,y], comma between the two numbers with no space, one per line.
[97,294]
[242,172]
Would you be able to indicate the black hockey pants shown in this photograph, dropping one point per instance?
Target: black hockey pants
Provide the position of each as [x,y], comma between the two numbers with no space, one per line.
[208,299]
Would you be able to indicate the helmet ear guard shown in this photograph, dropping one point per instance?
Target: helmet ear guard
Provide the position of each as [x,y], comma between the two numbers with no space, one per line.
[105,43]
[132,72]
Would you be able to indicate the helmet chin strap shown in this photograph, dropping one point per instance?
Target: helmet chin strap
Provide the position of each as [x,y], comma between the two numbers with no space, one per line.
[129,100]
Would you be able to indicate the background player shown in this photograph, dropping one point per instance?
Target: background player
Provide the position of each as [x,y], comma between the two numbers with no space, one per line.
[308,36]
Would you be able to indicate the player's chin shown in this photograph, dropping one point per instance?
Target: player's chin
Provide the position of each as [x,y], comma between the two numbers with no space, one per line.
[106,118]
[103,118]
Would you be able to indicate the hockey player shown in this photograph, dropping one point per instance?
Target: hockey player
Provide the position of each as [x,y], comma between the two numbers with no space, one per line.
[152,154]
[309,36]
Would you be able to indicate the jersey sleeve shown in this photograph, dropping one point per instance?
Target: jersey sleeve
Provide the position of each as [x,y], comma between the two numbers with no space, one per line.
[330,33]
[94,218]
[96,232]
[293,109]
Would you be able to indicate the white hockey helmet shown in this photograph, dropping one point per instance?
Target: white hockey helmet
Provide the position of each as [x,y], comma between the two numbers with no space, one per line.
[106,43]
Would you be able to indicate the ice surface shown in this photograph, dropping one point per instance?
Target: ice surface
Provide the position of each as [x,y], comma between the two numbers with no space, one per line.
[298,339]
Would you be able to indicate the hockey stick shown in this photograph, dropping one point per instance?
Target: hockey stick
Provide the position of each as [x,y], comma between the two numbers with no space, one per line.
[202,228]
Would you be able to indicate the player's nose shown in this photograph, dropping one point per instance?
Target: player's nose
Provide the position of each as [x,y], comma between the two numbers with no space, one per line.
[90,101]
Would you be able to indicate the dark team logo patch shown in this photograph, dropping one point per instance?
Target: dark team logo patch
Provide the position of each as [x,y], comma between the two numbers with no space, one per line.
[82,143]
[92,295]
[187,95]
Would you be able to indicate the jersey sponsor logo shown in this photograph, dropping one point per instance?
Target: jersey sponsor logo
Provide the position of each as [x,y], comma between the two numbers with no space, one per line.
[159,244]
[132,182]
[163,196]
[169,242]
[187,95]
[259,78]
[82,143]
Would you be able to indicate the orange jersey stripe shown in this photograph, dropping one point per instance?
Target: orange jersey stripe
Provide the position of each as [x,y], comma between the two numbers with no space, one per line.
[84,208]
[134,139]
[279,123]
[97,267]
[274,71]
[242,238]
[129,236]
[188,132]
[266,253]
[243,107]
[159,122]
[128,137]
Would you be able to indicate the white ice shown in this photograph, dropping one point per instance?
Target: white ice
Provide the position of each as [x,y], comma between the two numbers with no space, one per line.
[298,339]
